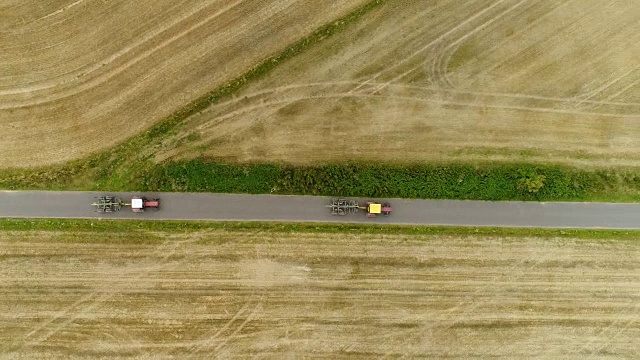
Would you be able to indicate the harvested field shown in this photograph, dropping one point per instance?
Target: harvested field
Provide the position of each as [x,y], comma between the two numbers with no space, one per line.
[291,296]
[506,80]
[80,76]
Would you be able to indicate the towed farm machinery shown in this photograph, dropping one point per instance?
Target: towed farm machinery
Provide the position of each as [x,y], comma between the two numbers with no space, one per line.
[343,207]
[111,204]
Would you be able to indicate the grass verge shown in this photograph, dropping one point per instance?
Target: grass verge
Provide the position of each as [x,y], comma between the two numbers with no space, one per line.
[448,181]
[135,229]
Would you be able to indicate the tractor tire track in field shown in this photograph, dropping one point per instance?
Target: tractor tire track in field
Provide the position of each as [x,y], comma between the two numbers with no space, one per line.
[280,97]
[444,51]
[269,93]
[612,88]
[88,303]
[59,11]
[248,114]
[445,57]
[438,74]
[208,341]
[28,23]
[103,77]
[444,38]
[426,47]
[463,310]
[613,326]
[120,338]
[623,90]
[235,294]
[152,87]
[237,330]
[440,63]
[84,71]
[61,314]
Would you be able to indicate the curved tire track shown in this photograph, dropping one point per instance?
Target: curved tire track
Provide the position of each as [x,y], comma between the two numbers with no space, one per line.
[101,78]
[281,100]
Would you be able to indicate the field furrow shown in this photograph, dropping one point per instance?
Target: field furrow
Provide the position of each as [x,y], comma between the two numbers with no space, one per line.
[82,77]
[230,294]
[504,80]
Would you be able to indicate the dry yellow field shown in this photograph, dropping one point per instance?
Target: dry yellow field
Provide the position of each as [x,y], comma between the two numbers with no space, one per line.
[425,80]
[292,296]
[436,80]
[79,76]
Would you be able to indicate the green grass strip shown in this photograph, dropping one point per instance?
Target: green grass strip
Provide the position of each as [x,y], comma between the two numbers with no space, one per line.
[135,231]
[429,181]
[136,228]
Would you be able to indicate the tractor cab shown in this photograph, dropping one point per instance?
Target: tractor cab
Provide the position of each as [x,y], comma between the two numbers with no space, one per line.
[375,209]
[137,205]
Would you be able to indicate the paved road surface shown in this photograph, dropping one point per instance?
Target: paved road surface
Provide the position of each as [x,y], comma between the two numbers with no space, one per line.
[205,206]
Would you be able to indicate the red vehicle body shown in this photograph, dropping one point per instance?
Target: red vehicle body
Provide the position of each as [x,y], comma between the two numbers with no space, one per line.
[139,204]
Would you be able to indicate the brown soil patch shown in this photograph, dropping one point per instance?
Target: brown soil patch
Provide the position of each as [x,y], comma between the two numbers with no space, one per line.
[449,80]
[80,76]
[230,295]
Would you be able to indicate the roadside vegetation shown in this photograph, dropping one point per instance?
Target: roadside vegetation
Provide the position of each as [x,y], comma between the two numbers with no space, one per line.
[529,182]
[436,181]
[147,231]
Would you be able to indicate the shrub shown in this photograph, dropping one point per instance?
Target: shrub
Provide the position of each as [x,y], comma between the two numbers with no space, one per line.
[530,182]
[428,181]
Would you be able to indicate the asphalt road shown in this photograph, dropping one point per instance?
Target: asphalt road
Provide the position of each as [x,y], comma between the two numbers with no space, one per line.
[226,207]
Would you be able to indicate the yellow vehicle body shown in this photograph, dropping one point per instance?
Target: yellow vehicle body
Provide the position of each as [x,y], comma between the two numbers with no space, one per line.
[375,208]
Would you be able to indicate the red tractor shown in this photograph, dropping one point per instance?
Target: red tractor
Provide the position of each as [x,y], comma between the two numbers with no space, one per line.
[139,204]
[112,204]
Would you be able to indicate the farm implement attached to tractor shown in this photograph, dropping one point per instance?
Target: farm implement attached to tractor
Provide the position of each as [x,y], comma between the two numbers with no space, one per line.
[111,204]
[343,207]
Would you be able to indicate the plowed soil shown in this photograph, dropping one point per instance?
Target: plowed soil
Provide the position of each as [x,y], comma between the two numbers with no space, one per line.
[467,80]
[79,76]
[291,296]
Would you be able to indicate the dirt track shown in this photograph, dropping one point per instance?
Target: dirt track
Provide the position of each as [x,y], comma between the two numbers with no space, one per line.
[451,80]
[80,76]
[328,296]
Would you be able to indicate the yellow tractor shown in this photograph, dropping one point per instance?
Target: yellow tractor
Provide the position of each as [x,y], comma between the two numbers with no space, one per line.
[343,207]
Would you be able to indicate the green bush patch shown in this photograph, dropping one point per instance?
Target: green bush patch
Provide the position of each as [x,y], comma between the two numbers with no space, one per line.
[429,181]
[201,176]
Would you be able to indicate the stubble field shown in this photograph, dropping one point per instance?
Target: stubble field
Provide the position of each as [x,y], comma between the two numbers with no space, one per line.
[80,76]
[430,80]
[290,296]
[508,80]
